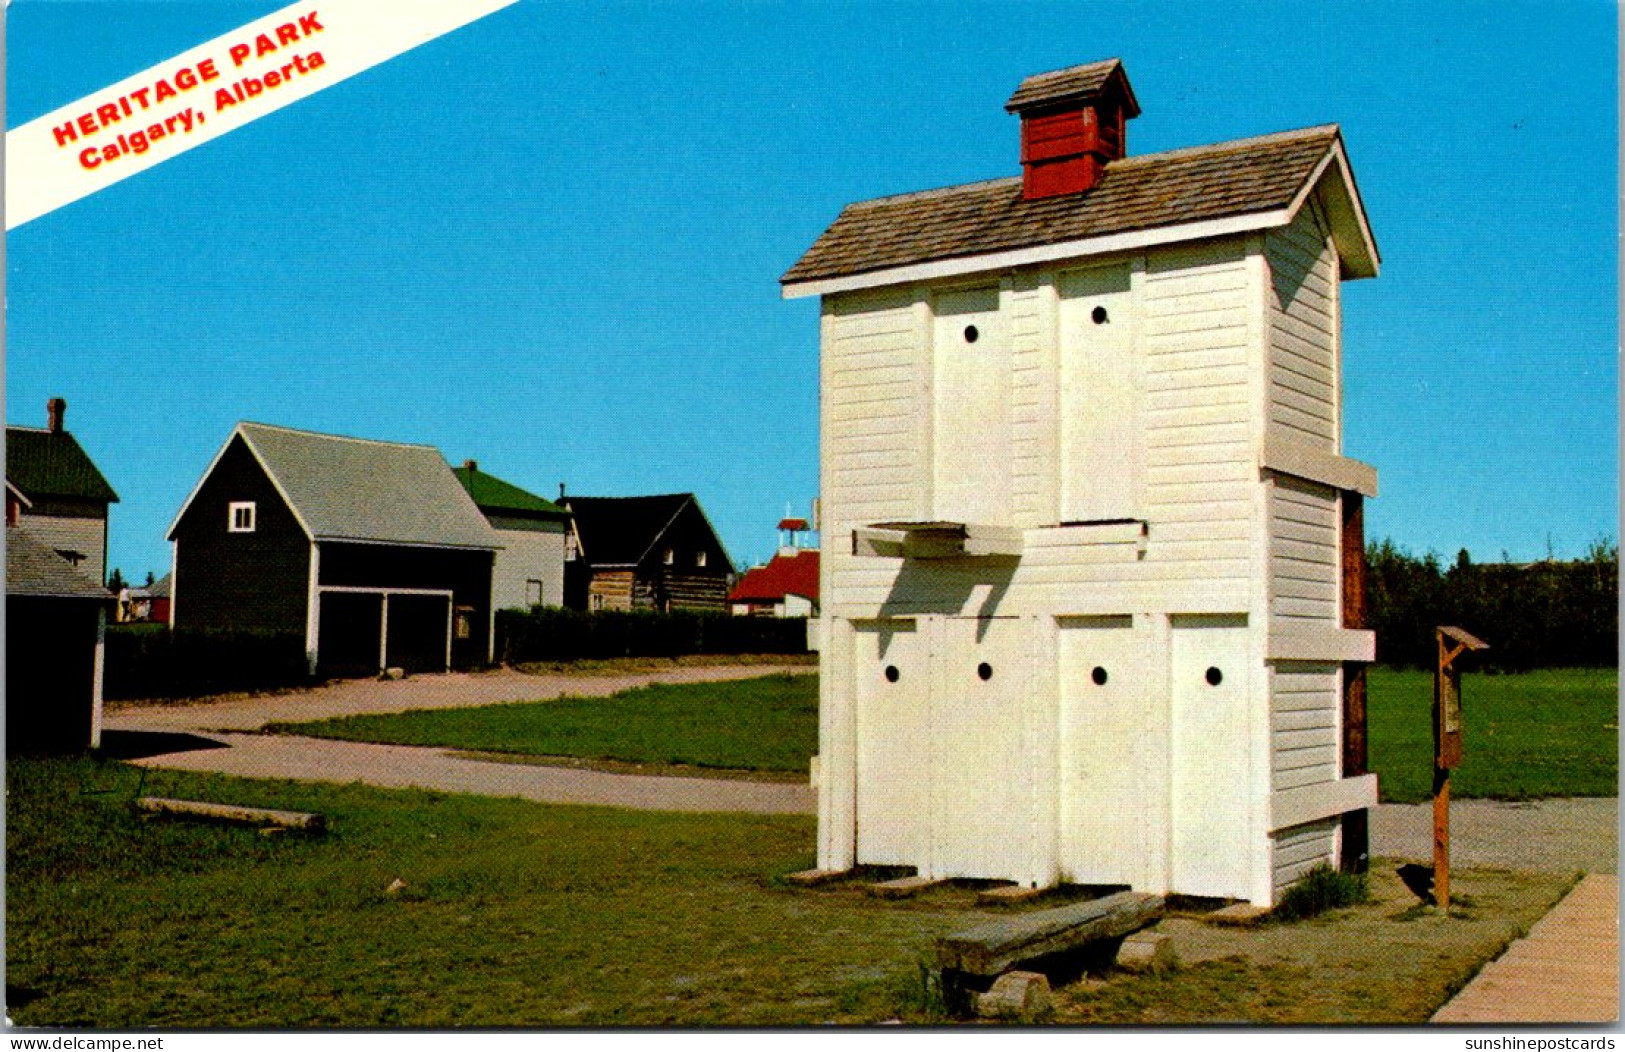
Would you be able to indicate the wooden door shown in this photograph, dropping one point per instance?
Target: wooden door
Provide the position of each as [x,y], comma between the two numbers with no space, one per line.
[971,408]
[981,769]
[1212,771]
[889,676]
[1105,713]
[349,633]
[419,628]
[1101,420]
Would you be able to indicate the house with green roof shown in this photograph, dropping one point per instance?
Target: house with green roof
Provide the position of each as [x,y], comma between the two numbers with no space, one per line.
[529,568]
[56,495]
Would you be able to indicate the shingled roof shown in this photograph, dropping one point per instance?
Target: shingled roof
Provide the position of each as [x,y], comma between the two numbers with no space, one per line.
[34,569]
[1176,188]
[622,531]
[354,489]
[43,463]
[1071,84]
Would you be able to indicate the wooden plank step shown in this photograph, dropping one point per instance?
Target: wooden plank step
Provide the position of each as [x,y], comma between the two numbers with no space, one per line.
[1237,915]
[811,878]
[1007,895]
[903,887]
[256,816]
[992,948]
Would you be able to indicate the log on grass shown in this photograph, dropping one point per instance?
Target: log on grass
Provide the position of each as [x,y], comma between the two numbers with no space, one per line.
[256,816]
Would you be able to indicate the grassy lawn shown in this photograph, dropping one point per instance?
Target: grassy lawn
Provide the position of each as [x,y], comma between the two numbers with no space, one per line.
[1549,733]
[766,724]
[1535,734]
[519,914]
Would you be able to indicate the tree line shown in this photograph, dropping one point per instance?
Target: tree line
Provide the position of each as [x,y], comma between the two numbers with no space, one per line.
[1549,614]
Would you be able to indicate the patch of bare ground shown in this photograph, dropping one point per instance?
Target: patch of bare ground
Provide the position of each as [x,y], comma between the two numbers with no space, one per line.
[1391,960]
[624,666]
[656,770]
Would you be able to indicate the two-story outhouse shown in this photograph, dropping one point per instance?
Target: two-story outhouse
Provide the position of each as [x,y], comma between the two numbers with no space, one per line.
[1092,550]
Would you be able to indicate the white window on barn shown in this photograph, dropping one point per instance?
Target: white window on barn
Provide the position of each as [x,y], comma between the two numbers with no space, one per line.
[533,592]
[240,516]
[699,559]
[670,557]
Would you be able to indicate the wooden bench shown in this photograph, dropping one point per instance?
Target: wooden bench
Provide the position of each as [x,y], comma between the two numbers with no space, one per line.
[992,948]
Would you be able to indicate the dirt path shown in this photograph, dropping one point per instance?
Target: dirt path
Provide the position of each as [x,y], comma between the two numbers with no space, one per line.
[403,766]
[452,690]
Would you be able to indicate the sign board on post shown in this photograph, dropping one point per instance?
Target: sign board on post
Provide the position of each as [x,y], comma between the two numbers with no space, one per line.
[1447,748]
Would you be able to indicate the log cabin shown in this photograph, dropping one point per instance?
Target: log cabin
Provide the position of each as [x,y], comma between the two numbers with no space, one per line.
[644,553]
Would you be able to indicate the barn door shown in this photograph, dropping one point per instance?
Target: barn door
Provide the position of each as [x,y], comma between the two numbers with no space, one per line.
[418,632]
[350,627]
[893,787]
[1212,774]
[981,771]
[971,408]
[1104,713]
[1100,397]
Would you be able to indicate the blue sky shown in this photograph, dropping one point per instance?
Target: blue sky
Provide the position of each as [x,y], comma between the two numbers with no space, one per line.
[551,240]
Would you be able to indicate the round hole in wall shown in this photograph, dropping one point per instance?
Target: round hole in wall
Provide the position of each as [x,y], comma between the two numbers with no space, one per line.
[1099,316]
[1214,676]
[972,334]
[1099,676]
[985,671]
[892,675]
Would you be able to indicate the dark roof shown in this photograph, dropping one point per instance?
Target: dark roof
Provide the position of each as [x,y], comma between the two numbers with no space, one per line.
[792,574]
[621,531]
[1073,84]
[493,494]
[1135,193]
[51,463]
[34,569]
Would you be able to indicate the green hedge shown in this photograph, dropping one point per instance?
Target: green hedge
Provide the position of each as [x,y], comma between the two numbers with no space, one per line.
[550,633]
[150,661]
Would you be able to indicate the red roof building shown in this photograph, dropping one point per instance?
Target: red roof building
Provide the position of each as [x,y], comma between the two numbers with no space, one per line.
[786,587]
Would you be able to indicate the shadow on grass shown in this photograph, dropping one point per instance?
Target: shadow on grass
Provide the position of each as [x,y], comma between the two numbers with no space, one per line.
[138,745]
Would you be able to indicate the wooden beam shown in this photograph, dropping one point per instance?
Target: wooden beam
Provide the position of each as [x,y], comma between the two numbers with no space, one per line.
[257,816]
[990,949]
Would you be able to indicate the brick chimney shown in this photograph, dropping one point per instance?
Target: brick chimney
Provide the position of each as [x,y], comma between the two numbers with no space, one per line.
[471,465]
[1072,126]
[55,410]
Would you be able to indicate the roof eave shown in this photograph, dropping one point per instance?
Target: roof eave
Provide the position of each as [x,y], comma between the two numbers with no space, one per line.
[1356,245]
[1012,259]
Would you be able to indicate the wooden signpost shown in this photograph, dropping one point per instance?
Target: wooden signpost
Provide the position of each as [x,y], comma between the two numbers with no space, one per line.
[1447,750]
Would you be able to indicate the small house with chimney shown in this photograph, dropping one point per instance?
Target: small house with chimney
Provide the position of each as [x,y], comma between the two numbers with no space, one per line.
[55,494]
[530,565]
[1092,552]
[644,553]
[370,552]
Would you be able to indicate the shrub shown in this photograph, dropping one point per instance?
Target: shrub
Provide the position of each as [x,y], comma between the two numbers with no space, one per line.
[150,661]
[550,633]
[1322,888]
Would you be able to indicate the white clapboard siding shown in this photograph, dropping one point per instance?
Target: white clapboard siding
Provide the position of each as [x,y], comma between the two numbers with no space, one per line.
[1301,848]
[1305,553]
[873,403]
[1032,412]
[1303,330]
[1305,707]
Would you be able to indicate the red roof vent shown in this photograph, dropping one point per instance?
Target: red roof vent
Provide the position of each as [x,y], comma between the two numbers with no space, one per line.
[798,525]
[1072,126]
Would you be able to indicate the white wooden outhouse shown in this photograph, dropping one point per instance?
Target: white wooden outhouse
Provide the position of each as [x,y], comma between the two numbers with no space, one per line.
[1085,608]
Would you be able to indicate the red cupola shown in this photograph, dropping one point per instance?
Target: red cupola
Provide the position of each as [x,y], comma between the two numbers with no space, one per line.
[1072,126]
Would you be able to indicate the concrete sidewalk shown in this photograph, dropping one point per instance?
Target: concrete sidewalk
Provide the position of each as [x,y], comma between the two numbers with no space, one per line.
[404,766]
[1566,970]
